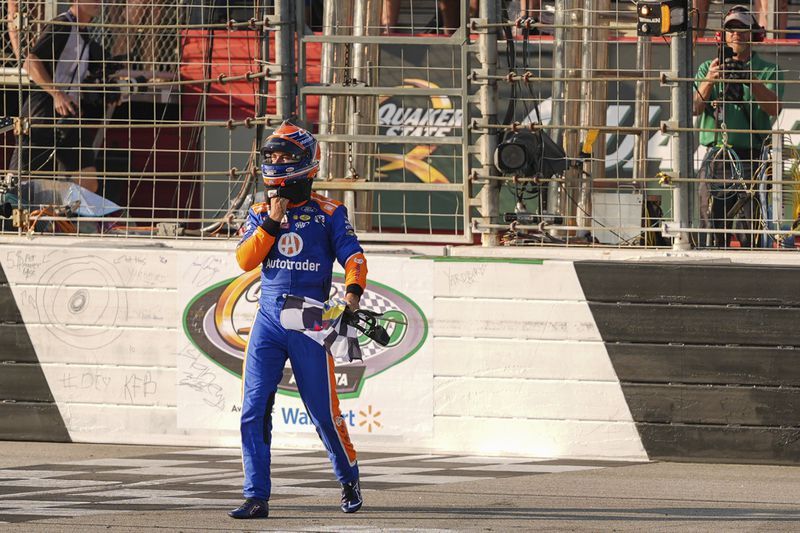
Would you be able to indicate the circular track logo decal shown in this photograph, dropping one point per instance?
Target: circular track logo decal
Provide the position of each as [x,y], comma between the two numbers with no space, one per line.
[218,322]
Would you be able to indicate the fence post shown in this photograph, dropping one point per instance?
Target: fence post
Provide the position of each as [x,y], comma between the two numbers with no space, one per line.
[593,106]
[641,112]
[326,78]
[487,94]
[301,80]
[573,99]
[284,56]
[263,84]
[362,110]
[680,63]
[335,61]
[558,95]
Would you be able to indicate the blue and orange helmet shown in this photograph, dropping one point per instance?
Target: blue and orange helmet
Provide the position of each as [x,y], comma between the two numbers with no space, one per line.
[298,143]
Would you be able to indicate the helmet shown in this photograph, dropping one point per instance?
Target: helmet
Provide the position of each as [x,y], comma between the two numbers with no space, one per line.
[291,179]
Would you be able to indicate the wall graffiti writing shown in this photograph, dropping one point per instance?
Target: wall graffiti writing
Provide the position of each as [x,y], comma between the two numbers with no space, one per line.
[196,374]
[467,277]
[25,263]
[138,386]
[206,270]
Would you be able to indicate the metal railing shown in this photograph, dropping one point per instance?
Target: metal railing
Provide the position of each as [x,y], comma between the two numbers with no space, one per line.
[390,110]
[409,110]
[621,109]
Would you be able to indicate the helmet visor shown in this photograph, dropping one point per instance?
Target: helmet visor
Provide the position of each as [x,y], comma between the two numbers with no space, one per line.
[282,145]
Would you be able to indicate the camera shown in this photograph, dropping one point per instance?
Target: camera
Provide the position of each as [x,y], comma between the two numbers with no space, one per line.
[129,86]
[526,153]
[529,154]
[9,198]
[92,103]
[732,70]
[8,182]
[107,91]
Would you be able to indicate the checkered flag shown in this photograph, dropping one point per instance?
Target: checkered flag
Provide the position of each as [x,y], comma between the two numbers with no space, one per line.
[323,322]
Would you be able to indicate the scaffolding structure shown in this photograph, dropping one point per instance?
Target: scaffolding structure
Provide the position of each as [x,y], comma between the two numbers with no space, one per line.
[410,104]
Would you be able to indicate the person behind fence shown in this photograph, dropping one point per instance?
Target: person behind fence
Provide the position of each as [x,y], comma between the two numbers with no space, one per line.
[748,101]
[779,10]
[61,60]
[294,238]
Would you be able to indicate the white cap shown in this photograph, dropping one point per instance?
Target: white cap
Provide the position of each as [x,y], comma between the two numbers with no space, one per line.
[740,14]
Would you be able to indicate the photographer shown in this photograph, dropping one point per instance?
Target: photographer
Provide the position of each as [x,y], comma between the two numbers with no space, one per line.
[63,58]
[747,100]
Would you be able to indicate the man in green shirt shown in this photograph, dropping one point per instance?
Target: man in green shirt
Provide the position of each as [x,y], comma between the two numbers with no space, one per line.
[751,106]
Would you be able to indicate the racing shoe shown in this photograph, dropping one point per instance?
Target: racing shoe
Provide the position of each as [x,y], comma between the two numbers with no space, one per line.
[251,508]
[351,497]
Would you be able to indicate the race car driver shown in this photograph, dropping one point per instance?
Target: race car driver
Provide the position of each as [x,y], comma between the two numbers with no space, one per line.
[294,238]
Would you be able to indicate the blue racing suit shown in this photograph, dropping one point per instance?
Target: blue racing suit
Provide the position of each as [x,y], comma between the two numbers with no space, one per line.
[296,257]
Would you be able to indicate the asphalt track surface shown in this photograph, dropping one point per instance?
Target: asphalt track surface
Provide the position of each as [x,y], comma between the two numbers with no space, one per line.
[47,487]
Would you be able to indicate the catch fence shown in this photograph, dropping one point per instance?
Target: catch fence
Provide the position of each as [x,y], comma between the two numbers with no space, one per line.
[418,111]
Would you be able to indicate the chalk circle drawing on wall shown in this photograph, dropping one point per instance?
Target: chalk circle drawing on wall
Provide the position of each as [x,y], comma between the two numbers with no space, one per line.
[77,315]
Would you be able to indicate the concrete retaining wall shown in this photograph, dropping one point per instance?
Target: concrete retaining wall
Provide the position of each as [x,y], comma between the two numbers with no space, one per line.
[565,357]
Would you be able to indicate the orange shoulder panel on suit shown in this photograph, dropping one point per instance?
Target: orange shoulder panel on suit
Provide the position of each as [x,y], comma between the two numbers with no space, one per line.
[326,204]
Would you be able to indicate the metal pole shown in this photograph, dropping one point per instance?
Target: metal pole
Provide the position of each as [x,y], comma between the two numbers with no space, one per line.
[263,84]
[364,109]
[598,104]
[559,58]
[573,98]
[336,58]
[300,24]
[353,115]
[466,104]
[326,78]
[602,37]
[643,55]
[487,95]
[776,200]
[680,60]
[588,104]
[23,32]
[284,56]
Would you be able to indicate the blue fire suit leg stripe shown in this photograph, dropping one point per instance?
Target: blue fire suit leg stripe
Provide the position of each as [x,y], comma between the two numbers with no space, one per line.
[313,371]
[263,371]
